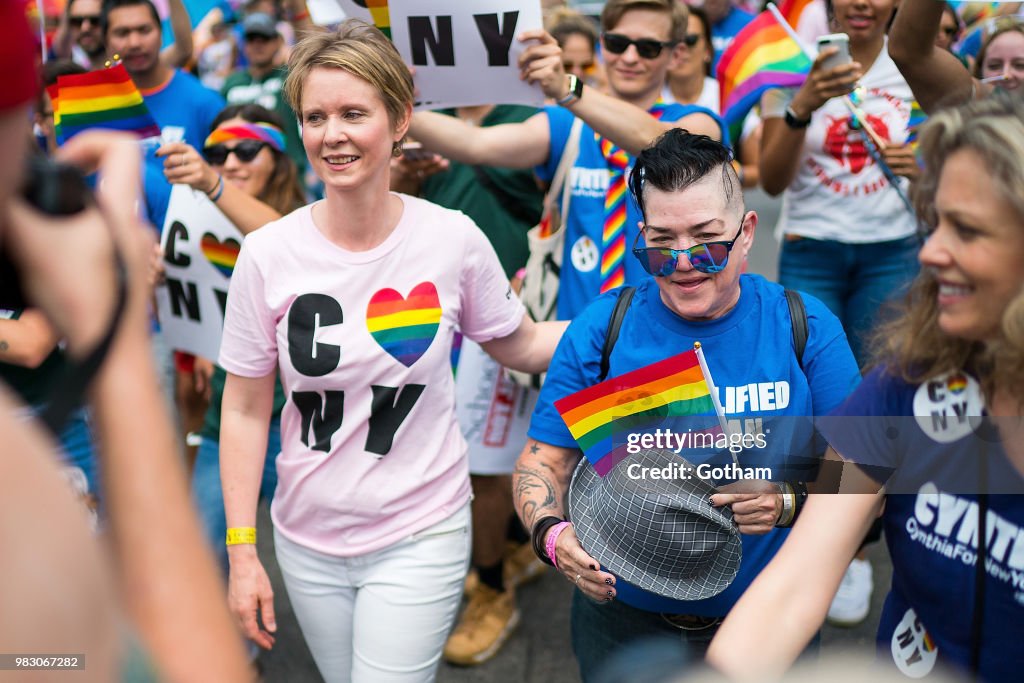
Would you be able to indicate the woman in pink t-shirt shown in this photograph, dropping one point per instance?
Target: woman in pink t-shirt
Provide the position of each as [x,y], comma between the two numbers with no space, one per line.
[354,300]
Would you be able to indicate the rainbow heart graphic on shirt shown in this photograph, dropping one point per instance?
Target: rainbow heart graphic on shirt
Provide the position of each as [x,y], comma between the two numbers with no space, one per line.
[404,326]
[222,255]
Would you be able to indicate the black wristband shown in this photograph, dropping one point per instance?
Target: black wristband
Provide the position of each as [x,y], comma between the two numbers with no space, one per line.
[540,530]
[793,122]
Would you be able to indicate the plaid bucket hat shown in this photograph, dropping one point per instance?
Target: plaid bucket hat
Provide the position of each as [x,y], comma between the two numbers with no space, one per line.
[661,535]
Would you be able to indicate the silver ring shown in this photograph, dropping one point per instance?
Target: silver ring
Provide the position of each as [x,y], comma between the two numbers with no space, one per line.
[182,159]
[578,577]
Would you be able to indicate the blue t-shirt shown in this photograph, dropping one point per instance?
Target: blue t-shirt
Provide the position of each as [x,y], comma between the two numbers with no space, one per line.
[749,352]
[724,31]
[938,462]
[581,261]
[187,104]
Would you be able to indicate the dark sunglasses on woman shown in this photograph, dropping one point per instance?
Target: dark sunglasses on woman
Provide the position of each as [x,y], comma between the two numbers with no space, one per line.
[246,151]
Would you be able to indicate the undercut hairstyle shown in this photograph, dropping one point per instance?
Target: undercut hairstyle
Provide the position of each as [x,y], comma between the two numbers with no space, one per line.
[677,160]
[912,345]
[676,11]
[283,191]
[110,5]
[361,50]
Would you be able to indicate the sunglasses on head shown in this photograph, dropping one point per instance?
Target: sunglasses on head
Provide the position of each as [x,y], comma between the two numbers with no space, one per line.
[616,43]
[77,22]
[708,257]
[246,151]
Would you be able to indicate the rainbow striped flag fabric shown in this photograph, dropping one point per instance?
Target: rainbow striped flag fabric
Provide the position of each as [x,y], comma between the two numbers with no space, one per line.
[601,417]
[106,98]
[762,56]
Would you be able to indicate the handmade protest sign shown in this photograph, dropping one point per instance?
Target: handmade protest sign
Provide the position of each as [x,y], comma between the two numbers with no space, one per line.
[200,249]
[464,53]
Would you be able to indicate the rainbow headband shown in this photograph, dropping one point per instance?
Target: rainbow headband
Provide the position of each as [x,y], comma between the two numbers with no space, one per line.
[264,132]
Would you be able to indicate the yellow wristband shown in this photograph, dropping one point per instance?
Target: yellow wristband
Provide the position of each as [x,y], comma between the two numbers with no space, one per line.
[241,536]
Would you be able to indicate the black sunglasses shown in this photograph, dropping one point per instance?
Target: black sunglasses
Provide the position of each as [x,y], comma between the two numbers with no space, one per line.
[690,39]
[707,257]
[648,48]
[246,151]
[77,22]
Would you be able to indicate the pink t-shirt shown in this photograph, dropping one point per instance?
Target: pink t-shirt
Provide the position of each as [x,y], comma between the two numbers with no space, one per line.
[369,334]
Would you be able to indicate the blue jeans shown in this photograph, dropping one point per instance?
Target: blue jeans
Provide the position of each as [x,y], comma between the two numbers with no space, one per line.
[611,638]
[209,496]
[602,632]
[853,280]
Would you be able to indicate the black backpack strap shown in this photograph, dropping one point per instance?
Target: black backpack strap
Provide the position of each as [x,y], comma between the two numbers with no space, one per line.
[614,325]
[798,319]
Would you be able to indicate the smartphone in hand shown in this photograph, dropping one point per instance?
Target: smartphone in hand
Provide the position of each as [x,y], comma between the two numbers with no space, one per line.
[841,41]
[413,151]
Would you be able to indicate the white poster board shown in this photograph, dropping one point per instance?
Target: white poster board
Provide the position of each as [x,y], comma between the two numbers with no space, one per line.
[200,249]
[464,53]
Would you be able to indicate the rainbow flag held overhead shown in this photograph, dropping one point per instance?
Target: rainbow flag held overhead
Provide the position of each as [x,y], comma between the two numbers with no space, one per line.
[762,56]
[106,98]
[601,417]
[381,17]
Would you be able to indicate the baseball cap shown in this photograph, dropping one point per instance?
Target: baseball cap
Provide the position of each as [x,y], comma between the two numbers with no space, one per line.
[260,24]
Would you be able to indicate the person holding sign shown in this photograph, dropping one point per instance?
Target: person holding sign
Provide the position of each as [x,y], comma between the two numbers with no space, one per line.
[245,170]
[642,40]
[697,234]
[355,300]
[953,510]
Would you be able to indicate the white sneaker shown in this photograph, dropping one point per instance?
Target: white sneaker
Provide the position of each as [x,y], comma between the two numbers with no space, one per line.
[852,602]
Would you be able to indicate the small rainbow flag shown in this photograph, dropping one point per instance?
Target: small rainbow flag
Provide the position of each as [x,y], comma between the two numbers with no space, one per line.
[600,416]
[381,17]
[762,56]
[106,98]
[914,123]
[404,327]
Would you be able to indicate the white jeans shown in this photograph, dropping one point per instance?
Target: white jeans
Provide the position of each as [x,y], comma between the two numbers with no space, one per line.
[382,617]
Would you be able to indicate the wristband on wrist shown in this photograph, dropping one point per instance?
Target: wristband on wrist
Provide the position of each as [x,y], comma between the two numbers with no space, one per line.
[537,535]
[217,190]
[799,489]
[788,506]
[574,94]
[241,535]
[794,121]
[552,540]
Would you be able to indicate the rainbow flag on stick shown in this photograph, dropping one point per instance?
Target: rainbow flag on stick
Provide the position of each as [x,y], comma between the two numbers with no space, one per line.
[106,98]
[763,55]
[600,417]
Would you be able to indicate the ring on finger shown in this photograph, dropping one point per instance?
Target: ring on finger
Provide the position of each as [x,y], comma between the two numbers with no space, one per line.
[578,577]
[182,163]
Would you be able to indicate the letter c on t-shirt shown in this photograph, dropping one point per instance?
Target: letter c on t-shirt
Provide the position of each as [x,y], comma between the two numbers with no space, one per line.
[308,312]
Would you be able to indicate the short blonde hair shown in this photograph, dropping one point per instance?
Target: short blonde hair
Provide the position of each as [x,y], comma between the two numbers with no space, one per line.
[677,11]
[361,50]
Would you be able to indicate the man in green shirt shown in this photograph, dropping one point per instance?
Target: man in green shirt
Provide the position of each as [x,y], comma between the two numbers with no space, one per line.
[262,81]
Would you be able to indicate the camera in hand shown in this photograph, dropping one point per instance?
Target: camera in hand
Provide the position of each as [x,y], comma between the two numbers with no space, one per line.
[55,189]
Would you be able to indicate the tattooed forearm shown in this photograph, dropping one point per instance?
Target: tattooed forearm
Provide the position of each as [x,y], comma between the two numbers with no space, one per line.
[534,494]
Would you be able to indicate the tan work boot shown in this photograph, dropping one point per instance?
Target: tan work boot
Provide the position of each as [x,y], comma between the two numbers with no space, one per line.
[485,625]
[521,565]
